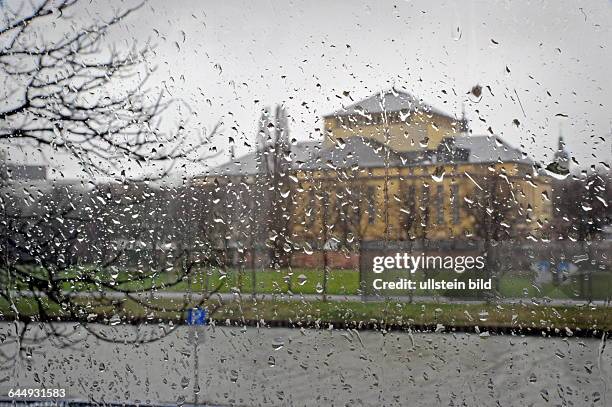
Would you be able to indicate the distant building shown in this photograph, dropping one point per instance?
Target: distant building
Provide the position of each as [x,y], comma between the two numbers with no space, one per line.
[22,172]
[391,167]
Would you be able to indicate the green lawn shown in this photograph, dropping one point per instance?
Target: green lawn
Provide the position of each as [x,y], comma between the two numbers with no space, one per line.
[340,282]
[268,281]
[321,314]
[600,287]
[298,281]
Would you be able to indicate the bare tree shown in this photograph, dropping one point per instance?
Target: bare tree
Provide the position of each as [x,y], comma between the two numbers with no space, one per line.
[74,254]
[494,210]
[581,211]
[275,164]
[75,94]
[582,206]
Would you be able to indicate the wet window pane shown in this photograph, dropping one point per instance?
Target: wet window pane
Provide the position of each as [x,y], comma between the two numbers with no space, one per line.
[306,203]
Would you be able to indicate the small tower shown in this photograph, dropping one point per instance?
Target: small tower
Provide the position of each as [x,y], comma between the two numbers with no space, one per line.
[560,164]
[463,123]
[562,157]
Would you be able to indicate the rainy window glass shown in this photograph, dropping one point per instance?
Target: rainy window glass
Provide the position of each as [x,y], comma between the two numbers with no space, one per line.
[305,203]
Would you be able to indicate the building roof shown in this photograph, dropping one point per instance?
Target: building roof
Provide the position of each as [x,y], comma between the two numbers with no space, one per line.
[250,163]
[391,100]
[247,164]
[368,153]
[23,172]
[490,149]
[355,151]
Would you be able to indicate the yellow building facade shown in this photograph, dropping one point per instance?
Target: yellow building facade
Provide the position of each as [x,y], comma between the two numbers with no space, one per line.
[432,180]
[407,204]
[391,168]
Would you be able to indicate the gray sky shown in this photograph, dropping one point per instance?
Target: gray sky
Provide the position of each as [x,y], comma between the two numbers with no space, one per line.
[229,59]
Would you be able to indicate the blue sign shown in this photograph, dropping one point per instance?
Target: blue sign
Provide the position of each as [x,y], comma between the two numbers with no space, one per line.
[563,267]
[196,316]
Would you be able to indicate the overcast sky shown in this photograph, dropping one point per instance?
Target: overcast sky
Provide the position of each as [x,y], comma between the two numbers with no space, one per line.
[229,59]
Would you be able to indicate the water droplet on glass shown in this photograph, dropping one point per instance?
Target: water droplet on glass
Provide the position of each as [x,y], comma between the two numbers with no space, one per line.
[308,249]
[438,177]
[115,320]
[456,33]
[278,343]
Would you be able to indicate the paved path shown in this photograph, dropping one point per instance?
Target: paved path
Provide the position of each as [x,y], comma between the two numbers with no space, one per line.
[304,367]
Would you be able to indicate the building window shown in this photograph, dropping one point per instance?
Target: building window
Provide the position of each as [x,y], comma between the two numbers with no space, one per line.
[371,205]
[310,209]
[425,204]
[440,204]
[325,209]
[409,206]
[339,201]
[454,191]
